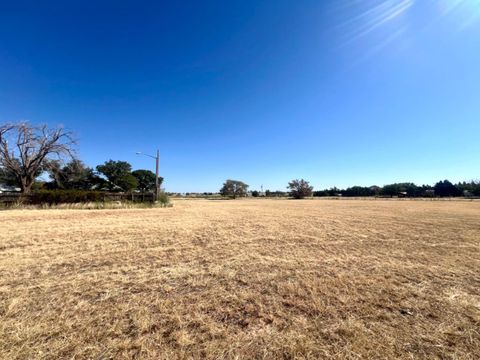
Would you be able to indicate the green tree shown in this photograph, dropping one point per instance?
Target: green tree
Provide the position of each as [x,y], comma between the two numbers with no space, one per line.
[476,188]
[7,178]
[446,188]
[300,189]
[472,187]
[118,175]
[234,188]
[146,180]
[391,190]
[358,191]
[127,182]
[74,175]
[395,189]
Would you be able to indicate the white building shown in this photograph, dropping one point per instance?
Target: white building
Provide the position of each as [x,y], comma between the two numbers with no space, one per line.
[5,188]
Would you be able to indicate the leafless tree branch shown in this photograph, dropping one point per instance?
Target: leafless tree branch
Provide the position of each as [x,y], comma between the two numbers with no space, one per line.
[30,148]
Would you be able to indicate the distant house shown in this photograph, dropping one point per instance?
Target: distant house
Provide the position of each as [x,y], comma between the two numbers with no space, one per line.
[467,194]
[430,193]
[256,193]
[402,194]
[5,188]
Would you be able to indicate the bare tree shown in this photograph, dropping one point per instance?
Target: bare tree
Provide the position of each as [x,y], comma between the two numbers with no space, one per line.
[25,150]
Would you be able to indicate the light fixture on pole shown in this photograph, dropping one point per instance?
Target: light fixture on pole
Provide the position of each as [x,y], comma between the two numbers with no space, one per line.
[157,163]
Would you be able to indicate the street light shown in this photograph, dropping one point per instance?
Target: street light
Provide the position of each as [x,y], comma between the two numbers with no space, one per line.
[157,161]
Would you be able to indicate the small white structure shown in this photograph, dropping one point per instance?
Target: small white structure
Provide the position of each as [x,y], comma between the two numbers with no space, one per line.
[5,188]
[430,193]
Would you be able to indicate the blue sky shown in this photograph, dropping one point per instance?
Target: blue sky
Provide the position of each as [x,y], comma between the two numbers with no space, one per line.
[337,92]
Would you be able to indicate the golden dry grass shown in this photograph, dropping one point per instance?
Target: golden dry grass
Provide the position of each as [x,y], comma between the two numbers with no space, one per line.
[262,279]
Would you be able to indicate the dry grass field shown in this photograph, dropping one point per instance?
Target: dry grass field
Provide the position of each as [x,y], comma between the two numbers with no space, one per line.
[246,279]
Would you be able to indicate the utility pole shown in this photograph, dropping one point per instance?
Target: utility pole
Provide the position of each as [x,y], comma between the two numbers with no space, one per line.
[157,166]
[157,184]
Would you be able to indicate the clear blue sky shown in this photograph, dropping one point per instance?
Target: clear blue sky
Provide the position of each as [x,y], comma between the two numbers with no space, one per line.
[337,92]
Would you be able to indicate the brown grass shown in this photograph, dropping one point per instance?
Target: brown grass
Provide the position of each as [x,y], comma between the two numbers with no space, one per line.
[262,279]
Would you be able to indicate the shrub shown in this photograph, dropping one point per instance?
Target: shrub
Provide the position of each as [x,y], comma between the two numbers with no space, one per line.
[163,199]
[51,197]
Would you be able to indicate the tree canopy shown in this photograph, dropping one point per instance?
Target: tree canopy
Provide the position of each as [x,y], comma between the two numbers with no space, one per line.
[234,188]
[7,178]
[300,189]
[146,180]
[74,175]
[446,188]
[118,175]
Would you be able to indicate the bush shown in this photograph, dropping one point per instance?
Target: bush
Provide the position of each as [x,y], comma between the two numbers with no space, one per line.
[163,199]
[53,197]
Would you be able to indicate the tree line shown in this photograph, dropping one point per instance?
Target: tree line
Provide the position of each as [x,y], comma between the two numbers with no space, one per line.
[301,188]
[28,152]
[443,188]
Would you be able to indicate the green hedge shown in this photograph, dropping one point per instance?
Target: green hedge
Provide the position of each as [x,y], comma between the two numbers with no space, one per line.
[52,197]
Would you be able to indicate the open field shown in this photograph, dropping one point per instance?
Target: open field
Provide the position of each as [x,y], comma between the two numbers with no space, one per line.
[259,279]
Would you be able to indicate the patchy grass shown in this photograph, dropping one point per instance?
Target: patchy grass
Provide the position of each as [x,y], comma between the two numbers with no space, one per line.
[243,279]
